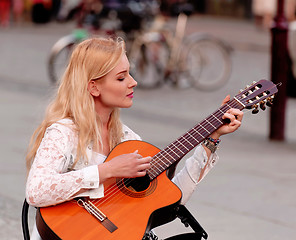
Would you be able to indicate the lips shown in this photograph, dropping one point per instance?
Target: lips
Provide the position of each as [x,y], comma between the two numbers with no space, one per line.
[131,95]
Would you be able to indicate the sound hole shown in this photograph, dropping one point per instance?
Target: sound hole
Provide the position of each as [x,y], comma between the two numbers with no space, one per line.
[137,184]
[137,187]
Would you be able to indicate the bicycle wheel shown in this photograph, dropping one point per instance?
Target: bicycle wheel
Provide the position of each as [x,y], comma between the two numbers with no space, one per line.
[148,58]
[206,62]
[59,56]
[60,53]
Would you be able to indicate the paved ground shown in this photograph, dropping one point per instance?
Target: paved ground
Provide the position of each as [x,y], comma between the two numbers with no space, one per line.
[249,195]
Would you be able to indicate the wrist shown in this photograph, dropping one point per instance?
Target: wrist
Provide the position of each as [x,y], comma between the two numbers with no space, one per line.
[215,135]
[211,144]
[105,172]
[214,141]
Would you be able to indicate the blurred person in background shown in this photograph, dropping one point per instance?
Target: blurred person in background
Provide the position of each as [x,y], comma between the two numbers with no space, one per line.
[5,6]
[174,7]
[18,9]
[290,8]
[66,157]
[41,11]
[264,12]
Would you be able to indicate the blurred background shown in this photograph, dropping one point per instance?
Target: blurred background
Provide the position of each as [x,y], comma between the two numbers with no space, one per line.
[250,193]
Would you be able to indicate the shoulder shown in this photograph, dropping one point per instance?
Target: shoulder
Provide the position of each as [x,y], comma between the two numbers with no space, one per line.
[64,125]
[129,134]
[63,128]
[61,135]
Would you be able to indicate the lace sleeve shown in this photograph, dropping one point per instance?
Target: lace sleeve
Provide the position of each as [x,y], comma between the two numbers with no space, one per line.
[191,174]
[48,181]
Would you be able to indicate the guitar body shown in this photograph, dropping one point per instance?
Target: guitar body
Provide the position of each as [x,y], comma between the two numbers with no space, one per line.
[133,212]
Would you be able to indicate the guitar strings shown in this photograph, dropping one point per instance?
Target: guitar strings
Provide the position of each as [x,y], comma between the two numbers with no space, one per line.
[168,153]
[115,188]
[181,144]
[180,140]
[176,148]
[111,191]
[111,194]
[178,145]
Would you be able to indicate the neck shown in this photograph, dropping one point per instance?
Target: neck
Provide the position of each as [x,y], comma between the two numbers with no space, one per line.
[104,118]
[104,114]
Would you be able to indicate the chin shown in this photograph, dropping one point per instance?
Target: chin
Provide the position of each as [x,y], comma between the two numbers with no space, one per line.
[128,105]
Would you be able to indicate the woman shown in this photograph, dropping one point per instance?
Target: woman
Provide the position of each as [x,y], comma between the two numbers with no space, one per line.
[81,126]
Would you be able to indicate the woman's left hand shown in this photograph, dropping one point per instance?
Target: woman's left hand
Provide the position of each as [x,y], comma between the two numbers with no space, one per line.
[235,117]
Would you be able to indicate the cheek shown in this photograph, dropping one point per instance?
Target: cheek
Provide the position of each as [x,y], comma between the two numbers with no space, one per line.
[112,95]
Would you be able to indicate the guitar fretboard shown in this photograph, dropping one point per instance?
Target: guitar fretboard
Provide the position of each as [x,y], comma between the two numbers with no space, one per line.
[175,151]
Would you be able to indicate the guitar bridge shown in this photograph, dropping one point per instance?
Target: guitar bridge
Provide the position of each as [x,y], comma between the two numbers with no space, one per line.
[98,214]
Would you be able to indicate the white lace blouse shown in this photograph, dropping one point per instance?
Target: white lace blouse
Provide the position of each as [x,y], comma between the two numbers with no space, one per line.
[52,179]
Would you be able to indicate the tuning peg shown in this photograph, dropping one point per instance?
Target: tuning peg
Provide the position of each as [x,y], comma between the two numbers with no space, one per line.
[255,110]
[269,101]
[262,105]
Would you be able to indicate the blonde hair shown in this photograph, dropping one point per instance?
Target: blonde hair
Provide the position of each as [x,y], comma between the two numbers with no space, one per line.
[91,59]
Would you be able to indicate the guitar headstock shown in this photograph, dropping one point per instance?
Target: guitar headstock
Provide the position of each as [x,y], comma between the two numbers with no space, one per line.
[260,93]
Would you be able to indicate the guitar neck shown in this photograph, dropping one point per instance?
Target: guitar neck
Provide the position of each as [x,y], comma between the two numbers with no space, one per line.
[258,94]
[175,151]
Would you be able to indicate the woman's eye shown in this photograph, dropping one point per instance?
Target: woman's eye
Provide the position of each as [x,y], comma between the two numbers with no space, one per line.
[121,79]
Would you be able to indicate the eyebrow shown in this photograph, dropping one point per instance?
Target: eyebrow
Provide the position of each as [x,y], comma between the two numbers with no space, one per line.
[124,71]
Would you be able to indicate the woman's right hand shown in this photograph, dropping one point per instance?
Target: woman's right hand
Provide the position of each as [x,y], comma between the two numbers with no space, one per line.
[129,165]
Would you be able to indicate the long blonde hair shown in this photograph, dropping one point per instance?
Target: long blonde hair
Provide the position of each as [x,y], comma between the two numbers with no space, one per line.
[91,59]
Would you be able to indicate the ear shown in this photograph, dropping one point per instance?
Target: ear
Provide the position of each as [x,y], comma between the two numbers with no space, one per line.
[93,88]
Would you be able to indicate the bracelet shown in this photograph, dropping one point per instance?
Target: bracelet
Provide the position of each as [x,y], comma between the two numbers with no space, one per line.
[215,141]
[211,144]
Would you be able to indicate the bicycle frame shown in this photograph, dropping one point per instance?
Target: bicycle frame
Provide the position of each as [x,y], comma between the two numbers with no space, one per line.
[175,44]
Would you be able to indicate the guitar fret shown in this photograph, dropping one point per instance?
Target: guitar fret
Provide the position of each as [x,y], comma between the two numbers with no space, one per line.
[198,132]
[211,124]
[162,159]
[217,118]
[182,144]
[159,164]
[192,137]
[164,156]
[160,170]
[188,141]
[152,168]
[228,105]
[174,151]
[205,129]
[221,111]
[151,175]
[239,102]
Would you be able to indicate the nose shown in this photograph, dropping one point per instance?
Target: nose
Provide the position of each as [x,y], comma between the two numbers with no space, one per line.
[133,82]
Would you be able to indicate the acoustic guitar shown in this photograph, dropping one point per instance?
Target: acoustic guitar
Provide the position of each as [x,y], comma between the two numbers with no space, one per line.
[131,207]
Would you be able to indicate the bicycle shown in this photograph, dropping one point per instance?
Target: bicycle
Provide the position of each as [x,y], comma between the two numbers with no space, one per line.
[158,56]
[108,23]
[199,60]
